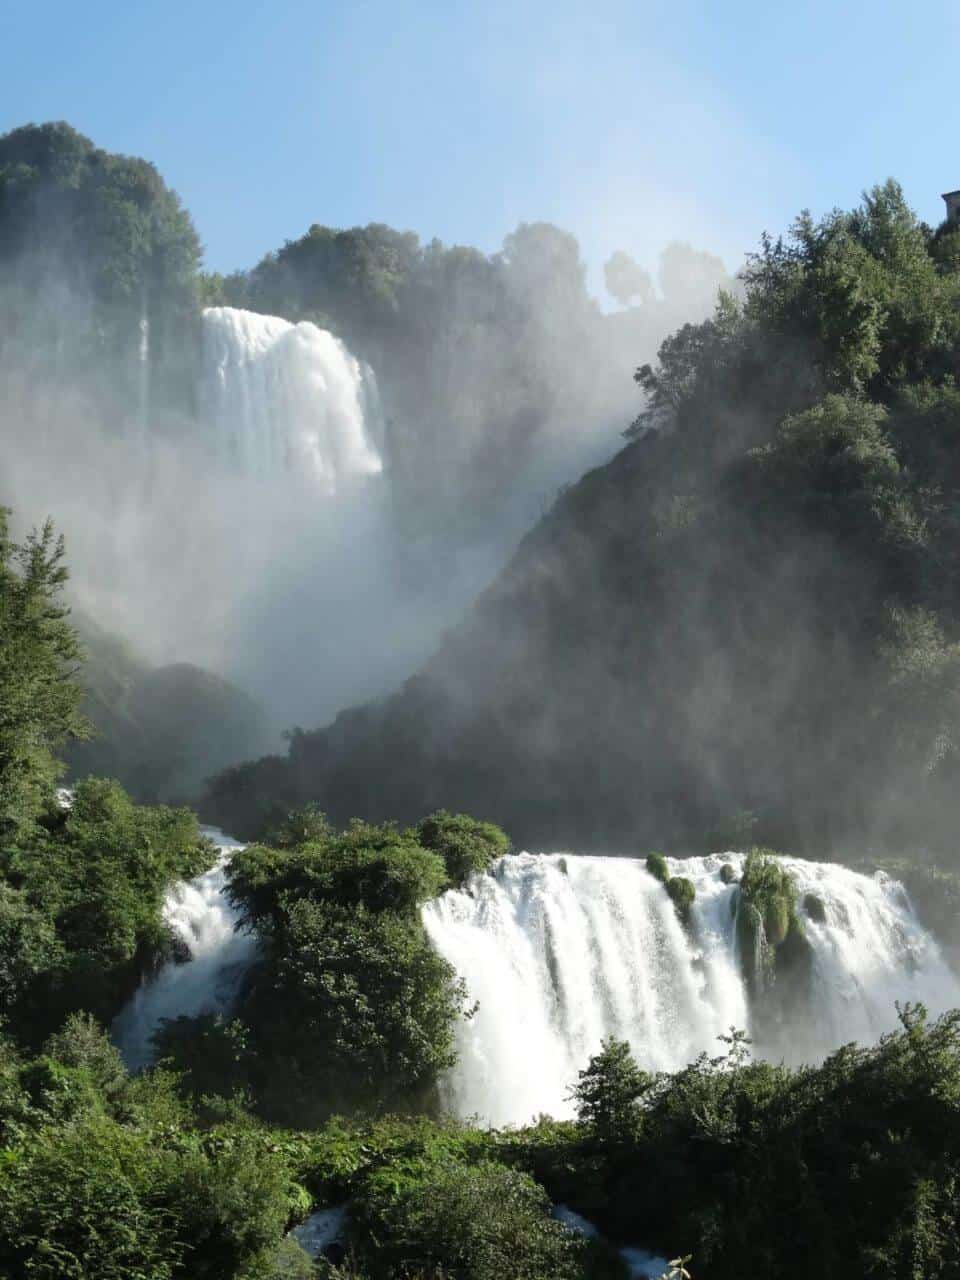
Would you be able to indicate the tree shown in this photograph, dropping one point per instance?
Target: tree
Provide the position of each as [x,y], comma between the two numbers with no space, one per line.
[39,656]
[609,1091]
[626,279]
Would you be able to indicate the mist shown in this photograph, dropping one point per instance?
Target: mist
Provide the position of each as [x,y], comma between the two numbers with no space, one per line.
[300,486]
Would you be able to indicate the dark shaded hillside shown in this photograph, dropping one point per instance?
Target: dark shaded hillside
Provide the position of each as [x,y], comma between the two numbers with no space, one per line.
[753,607]
[160,730]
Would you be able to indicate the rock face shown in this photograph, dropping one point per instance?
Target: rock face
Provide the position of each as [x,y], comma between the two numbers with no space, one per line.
[160,730]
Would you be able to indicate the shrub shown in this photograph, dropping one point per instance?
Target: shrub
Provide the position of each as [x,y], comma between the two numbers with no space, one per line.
[608,1092]
[682,895]
[479,1222]
[355,1009]
[657,866]
[75,1204]
[376,867]
[466,845]
[768,887]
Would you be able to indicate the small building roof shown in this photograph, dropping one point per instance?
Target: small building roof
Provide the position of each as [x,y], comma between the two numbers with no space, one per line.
[947,195]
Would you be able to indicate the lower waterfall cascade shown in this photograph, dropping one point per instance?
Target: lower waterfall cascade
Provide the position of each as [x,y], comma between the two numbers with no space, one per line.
[561,951]
[203,922]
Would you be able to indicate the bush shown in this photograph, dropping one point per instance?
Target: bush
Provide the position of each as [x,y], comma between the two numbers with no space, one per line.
[376,867]
[76,1204]
[768,888]
[609,1091]
[354,1009]
[657,866]
[81,914]
[480,1222]
[231,1203]
[83,1044]
[682,895]
[466,845]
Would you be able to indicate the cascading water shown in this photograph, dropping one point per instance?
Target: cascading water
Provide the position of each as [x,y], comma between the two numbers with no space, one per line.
[561,952]
[204,923]
[287,396]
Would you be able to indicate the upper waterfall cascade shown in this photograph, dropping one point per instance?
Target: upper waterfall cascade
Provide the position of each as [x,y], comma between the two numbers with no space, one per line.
[288,396]
[562,951]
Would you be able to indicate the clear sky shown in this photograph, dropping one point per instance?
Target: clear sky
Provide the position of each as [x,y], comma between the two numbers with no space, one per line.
[628,123]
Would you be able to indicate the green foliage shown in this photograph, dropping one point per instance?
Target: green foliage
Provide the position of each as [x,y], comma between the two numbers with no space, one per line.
[848,1168]
[355,1009]
[82,1044]
[682,895]
[378,867]
[39,694]
[754,608]
[480,1222]
[467,845]
[765,882]
[349,1006]
[90,243]
[728,873]
[609,1093]
[657,866]
[72,1206]
[81,900]
[29,945]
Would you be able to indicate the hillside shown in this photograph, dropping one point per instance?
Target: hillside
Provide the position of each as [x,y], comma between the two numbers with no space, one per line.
[159,730]
[752,610]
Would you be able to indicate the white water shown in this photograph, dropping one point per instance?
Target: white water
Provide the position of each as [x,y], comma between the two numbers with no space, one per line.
[641,1264]
[203,920]
[561,952]
[285,396]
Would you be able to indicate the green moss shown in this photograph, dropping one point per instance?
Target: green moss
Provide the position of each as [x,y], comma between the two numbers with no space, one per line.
[776,920]
[767,919]
[751,945]
[657,866]
[682,894]
[728,873]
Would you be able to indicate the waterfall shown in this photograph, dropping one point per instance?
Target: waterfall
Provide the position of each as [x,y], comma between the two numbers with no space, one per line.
[204,923]
[561,952]
[284,396]
[143,370]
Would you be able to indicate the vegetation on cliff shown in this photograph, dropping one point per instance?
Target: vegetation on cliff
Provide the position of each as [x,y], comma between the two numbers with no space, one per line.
[348,1007]
[753,608]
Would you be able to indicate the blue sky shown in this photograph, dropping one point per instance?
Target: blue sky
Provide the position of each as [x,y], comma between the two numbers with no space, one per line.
[628,123]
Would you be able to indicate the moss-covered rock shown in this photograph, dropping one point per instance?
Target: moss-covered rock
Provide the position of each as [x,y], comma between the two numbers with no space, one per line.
[770,888]
[728,873]
[657,866]
[814,908]
[682,894]
[751,945]
[770,938]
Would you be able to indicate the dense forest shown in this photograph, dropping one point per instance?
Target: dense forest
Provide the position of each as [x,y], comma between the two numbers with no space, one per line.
[752,609]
